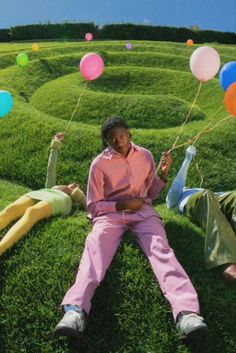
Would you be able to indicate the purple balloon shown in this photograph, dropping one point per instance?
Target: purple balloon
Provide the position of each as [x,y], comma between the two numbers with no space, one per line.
[129,46]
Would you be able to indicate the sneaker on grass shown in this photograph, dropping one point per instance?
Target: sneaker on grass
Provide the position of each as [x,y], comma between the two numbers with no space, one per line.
[192,326]
[72,324]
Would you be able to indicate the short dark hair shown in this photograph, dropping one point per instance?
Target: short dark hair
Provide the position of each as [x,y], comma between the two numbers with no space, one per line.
[110,124]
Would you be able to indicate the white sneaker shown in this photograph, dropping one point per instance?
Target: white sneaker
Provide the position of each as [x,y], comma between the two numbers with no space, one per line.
[72,324]
[192,326]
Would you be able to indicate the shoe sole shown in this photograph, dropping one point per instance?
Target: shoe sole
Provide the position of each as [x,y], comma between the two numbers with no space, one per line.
[197,335]
[67,331]
[228,277]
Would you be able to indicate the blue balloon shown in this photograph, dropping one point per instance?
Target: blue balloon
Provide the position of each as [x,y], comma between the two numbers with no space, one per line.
[228,74]
[6,103]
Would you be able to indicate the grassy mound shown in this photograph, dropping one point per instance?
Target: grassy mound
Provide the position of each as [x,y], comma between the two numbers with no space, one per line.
[151,87]
[59,97]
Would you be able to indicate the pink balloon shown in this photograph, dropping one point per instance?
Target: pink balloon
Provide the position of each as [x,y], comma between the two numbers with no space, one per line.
[88,37]
[204,63]
[91,66]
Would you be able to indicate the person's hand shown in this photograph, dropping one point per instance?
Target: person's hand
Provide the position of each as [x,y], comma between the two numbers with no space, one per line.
[166,162]
[60,136]
[74,185]
[131,204]
[66,189]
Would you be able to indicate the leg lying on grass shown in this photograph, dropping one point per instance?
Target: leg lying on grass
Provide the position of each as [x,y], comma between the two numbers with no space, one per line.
[173,280]
[100,247]
[32,215]
[203,208]
[15,210]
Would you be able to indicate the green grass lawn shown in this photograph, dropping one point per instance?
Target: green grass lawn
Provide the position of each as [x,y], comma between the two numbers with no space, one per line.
[152,88]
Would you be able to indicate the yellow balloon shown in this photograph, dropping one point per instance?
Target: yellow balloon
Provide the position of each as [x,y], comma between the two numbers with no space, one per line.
[35,47]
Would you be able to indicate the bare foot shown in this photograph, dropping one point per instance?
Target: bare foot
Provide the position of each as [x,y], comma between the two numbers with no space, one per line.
[230,272]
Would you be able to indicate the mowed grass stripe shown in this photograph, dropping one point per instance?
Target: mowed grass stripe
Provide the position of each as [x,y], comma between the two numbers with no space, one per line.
[36,273]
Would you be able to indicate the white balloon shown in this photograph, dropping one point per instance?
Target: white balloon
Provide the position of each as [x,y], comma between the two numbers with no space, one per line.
[204,63]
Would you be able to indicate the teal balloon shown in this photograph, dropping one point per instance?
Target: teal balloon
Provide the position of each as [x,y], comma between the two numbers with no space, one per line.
[22,59]
[6,103]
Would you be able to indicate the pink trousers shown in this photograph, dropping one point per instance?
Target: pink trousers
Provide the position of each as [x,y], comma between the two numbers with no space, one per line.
[101,245]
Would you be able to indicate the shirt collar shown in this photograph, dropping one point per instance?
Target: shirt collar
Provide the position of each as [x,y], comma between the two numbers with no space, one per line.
[109,152]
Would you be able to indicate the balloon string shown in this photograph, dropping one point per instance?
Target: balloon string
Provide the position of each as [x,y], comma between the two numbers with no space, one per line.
[188,116]
[76,107]
[204,131]
[179,146]
[195,138]
[175,143]
[211,120]
[150,182]
[198,170]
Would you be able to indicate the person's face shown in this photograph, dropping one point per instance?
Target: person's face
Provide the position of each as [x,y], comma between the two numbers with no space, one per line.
[119,139]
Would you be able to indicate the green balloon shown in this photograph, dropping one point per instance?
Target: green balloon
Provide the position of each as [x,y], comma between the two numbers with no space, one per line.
[22,59]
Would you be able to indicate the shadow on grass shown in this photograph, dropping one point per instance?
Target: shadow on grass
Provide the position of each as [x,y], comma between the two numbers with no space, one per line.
[129,313]
[217,297]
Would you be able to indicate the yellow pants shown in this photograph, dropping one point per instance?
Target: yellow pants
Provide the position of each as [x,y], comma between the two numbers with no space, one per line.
[29,212]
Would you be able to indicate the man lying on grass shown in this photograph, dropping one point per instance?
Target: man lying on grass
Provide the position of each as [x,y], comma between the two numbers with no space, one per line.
[121,187]
[215,213]
[34,206]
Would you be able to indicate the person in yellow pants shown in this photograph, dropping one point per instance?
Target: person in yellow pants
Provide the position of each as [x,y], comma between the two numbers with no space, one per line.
[53,200]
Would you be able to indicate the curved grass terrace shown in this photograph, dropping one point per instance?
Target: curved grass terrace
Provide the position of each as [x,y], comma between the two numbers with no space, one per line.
[153,89]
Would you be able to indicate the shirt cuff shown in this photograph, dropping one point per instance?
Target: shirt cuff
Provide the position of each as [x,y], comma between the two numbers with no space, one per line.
[162,183]
[56,144]
[109,206]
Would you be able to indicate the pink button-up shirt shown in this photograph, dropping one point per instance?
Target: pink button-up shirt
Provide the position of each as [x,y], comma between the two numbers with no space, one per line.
[113,177]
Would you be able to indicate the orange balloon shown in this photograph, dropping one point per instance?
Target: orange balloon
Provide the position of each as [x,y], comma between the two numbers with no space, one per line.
[190,42]
[230,99]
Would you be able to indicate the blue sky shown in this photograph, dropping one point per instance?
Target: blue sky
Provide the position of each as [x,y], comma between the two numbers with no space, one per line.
[207,14]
